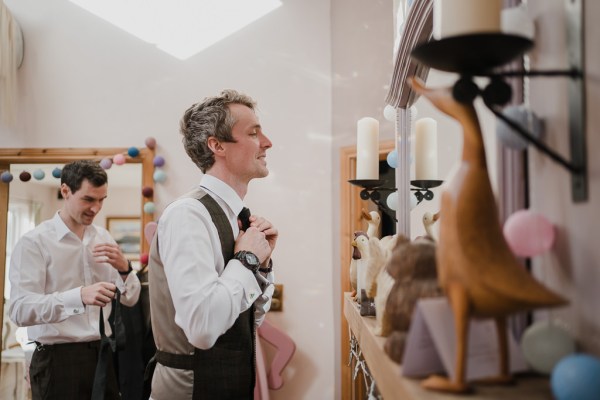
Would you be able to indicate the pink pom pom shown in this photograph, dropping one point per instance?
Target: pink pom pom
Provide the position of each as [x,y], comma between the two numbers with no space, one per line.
[119,159]
[149,231]
[144,259]
[150,142]
[529,233]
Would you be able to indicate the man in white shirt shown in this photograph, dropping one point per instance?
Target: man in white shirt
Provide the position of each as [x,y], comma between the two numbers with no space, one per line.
[211,276]
[62,273]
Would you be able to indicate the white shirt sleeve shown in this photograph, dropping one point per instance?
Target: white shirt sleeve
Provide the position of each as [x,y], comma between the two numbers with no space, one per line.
[29,305]
[207,298]
[263,304]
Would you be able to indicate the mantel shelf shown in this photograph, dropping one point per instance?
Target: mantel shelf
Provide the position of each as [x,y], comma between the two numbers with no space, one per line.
[392,385]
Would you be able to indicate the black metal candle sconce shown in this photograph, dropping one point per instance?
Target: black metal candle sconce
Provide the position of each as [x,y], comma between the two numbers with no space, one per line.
[422,188]
[373,190]
[477,55]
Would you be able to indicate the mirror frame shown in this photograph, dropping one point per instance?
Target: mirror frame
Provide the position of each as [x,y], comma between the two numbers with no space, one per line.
[62,156]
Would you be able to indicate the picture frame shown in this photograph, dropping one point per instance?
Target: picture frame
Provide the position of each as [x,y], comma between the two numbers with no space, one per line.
[127,233]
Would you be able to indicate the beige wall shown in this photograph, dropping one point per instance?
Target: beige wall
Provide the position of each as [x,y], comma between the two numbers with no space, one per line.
[572,267]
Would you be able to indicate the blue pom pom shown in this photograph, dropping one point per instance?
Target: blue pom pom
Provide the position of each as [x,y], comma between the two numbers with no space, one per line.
[392,159]
[56,172]
[576,377]
[133,152]
[39,174]
[159,175]
[149,207]
[6,177]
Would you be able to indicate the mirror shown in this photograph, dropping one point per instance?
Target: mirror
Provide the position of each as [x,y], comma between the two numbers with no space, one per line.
[41,202]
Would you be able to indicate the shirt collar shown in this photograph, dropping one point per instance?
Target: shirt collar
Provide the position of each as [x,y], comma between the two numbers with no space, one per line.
[223,191]
[62,229]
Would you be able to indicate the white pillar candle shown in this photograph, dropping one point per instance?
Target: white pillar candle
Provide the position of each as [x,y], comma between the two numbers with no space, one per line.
[426,159]
[367,148]
[462,17]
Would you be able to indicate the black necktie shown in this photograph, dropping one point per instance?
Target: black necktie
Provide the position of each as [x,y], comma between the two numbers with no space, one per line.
[108,344]
[244,217]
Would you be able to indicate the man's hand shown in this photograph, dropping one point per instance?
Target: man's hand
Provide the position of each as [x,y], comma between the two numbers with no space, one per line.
[111,253]
[98,294]
[253,240]
[265,227]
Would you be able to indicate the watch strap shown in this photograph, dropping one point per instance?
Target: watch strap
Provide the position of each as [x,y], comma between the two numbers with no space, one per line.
[268,269]
[128,270]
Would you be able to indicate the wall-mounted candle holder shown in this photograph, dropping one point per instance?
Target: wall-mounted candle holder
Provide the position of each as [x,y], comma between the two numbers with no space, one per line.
[422,188]
[478,54]
[373,190]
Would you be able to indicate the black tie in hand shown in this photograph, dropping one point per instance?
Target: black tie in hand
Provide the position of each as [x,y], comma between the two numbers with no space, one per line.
[244,218]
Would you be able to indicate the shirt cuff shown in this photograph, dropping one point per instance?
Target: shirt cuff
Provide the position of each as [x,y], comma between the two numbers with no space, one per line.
[235,270]
[72,302]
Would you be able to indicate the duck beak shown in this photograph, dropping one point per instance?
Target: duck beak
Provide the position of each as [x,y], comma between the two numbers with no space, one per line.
[436,216]
[365,215]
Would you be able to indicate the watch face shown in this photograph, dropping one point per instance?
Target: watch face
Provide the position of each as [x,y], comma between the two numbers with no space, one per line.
[252,259]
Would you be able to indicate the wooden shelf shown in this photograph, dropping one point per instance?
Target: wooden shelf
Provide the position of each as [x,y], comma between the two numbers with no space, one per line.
[392,385]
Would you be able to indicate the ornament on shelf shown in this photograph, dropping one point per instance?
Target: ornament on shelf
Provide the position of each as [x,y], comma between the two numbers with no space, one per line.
[56,172]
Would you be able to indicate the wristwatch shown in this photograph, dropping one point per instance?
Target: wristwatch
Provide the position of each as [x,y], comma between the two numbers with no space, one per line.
[248,259]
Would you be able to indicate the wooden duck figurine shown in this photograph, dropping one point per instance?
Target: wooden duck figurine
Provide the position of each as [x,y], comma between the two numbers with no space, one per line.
[476,269]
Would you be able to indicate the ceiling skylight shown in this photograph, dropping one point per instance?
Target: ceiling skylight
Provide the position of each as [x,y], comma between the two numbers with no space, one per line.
[181,28]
